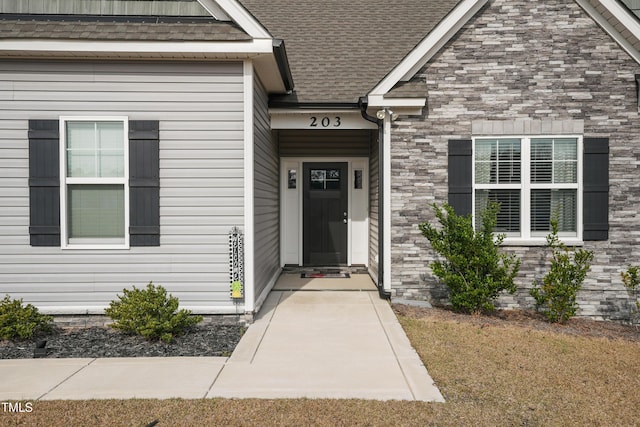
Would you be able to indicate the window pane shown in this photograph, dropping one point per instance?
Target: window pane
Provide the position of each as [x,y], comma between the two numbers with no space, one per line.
[542,149]
[325,179]
[554,160]
[509,215]
[541,172]
[546,204]
[95,149]
[565,149]
[96,211]
[565,172]
[497,161]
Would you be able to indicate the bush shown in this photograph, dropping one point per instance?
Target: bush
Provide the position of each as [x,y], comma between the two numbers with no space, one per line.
[21,321]
[631,281]
[473,268]
[151,313]
[556,295]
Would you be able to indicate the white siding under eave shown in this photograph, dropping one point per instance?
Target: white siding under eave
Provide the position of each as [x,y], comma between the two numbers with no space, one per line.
[266,197]
[200,109]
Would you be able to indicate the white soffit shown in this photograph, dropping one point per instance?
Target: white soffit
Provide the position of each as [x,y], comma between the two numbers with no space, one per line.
[430,45]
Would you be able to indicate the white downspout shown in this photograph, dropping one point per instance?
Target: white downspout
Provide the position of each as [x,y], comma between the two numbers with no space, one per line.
[386,170]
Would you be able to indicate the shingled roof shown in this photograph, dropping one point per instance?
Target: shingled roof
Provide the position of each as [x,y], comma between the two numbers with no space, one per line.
[339,50]
[118,28]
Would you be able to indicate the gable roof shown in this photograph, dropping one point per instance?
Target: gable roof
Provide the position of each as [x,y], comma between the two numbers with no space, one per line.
[339,50]
[143,29]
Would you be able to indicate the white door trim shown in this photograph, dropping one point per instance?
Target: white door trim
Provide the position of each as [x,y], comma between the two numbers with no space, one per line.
[291,210]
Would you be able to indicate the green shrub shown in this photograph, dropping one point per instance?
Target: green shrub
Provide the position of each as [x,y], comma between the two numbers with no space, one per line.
[151,313]
[631,280]
[556,295]
[473,268]
[21,321]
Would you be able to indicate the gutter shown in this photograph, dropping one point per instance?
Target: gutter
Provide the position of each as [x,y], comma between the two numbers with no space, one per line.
[362,104]
[280,54]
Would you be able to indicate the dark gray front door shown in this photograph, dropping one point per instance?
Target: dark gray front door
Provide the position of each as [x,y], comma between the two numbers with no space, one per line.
[325,213]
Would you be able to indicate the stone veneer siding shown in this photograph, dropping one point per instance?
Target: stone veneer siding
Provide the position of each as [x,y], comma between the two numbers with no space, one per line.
[527,64]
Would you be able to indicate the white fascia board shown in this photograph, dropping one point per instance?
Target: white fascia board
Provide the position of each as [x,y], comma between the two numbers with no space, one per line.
[95,48]
[237,13]
[622,16]
[381,101]
[215,10]
[403,106]
[430,45]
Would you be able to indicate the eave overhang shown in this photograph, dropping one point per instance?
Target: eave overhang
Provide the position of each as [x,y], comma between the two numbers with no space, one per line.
[268,63]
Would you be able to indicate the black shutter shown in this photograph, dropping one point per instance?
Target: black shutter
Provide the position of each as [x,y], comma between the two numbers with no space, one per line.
[460,169]
[596,189]
[144,183]
[44,182]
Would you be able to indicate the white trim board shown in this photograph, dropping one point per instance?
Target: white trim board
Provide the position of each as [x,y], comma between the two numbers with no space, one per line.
[622,16]
[237,13]
[319,119]
[248,229]
[94,48]
[291,245]
[430,45]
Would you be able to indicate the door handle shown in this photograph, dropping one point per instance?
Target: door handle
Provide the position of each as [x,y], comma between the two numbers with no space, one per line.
[344,220]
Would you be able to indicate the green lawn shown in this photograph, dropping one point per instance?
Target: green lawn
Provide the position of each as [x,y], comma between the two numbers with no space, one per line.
[490,374]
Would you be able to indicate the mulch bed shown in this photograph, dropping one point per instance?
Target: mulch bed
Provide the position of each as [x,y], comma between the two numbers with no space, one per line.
[528,319]
[200,340]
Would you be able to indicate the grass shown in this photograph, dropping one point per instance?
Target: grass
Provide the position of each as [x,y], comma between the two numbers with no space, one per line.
[491,375]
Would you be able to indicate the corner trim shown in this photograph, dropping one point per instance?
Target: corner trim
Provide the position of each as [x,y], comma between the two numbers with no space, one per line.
[249,271]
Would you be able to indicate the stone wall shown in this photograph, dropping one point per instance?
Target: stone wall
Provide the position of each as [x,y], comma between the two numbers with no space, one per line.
[529,64]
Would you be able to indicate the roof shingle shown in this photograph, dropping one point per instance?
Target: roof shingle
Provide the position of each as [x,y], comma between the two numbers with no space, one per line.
[339,50]
[148,29]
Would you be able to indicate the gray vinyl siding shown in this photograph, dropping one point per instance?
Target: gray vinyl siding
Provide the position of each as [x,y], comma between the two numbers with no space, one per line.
[200,109]
[324,143]
[373,208]
[84,7]
[266,195]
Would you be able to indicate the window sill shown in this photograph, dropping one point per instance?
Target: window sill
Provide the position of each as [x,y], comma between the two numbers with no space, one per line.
[514,241]
[96,244]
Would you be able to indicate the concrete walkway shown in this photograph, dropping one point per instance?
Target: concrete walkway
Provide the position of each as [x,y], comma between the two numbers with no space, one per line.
[314,344]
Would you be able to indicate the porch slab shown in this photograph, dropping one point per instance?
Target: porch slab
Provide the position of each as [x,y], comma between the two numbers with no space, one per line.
[332,344]
[293,282]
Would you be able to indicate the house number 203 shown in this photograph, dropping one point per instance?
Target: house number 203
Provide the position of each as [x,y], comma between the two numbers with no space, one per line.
[325,122]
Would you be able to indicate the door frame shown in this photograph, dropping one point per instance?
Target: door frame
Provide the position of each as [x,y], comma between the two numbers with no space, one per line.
[291,210]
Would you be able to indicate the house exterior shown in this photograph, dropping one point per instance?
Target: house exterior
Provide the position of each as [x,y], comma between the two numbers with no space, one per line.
[135,135]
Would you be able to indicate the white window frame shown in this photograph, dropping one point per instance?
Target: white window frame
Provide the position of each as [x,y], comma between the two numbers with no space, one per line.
[88,243]
[526,237]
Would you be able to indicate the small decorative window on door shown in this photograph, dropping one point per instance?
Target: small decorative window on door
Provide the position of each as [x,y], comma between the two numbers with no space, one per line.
[325,179]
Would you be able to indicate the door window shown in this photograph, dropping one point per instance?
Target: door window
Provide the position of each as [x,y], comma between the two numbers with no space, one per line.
[324,179]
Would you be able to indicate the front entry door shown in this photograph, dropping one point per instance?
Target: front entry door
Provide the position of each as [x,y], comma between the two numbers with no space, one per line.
[325,213]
